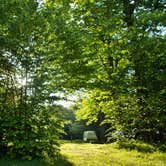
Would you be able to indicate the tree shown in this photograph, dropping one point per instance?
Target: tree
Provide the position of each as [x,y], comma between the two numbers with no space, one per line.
[111,45]
[29,123]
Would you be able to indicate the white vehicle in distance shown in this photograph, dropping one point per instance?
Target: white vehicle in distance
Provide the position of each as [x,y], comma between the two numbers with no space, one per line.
[90,136]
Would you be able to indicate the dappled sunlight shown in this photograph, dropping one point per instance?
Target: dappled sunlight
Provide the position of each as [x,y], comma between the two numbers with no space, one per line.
[86,71]
[107,154]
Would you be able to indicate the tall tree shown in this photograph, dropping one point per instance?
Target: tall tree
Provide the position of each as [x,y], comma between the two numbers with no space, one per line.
[113,46]
[29,125]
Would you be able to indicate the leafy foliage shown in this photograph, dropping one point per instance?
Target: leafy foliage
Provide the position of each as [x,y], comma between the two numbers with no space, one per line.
[112,50]
[122,43]
[29,122]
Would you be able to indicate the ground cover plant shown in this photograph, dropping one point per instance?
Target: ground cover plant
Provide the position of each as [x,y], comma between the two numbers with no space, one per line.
[81,154]
[60,161]
[110,154]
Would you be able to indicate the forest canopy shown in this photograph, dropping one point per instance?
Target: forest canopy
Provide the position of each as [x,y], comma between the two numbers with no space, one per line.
[113,51]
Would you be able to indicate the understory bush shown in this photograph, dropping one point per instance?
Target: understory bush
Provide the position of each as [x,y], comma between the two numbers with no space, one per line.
[132,144]
[34,138]
[161,147]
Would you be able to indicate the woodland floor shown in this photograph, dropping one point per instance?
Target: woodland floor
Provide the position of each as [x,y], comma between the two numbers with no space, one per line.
[86,154]
[109,155]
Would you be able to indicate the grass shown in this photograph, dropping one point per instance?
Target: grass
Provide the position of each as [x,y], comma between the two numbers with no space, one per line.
[109,155]
[60,162]
[9,162]
[86,154]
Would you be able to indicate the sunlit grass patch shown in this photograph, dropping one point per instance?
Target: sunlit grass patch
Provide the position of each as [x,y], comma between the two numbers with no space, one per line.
[86,154]
[108,154]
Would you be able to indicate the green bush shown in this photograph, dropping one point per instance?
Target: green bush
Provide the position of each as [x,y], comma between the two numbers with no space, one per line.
[135,145]
[161,147]
[34,138]
[28,150]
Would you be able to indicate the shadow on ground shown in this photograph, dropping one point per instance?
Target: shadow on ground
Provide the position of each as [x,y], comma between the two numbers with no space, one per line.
[14,162]
[60,161]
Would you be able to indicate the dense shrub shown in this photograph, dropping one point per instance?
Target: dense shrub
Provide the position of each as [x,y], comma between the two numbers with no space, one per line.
[135,145]
[161,147]
[34,138]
